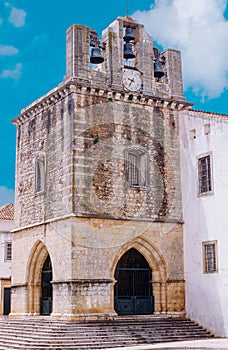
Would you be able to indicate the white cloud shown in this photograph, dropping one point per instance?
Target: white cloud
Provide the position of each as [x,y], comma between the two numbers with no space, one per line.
[8,50]
[12,73]
[6,195]
[17,17]
[197,28]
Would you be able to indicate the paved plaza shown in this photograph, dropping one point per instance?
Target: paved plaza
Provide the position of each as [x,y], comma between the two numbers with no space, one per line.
[218,344]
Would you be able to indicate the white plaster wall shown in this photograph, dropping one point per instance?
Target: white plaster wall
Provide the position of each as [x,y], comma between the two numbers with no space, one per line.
[5,236]
[205,218]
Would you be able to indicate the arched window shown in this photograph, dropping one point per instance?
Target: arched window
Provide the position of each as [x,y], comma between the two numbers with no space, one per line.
[136,161]
[40,173]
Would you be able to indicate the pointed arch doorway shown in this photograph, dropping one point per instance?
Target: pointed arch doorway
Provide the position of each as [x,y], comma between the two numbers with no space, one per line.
[46,288]
[133,293]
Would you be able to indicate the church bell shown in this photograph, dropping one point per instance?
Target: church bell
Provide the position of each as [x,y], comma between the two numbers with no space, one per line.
[128,35]
[158,71]
[128,52]
[96,56]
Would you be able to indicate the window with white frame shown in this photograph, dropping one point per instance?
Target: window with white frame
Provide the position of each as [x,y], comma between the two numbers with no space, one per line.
[40,173]
[205,175]
[210,257]
[8,250]
[136,167]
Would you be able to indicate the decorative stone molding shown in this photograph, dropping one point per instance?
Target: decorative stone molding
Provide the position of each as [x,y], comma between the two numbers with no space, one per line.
[72,86]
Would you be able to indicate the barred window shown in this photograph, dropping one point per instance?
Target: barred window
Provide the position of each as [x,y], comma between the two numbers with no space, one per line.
[204,175]
[210,257]
[136,167]
[8,251]
[40,170]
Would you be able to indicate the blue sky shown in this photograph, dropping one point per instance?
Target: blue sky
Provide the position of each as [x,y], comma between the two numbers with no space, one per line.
[32,53]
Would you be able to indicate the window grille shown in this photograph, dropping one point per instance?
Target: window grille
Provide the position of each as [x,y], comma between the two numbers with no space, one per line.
[8,251]
[136,168]
[204,174]
[210,257]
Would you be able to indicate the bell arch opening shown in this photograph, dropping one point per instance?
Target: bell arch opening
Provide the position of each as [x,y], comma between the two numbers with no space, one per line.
[39,277]
[133,293]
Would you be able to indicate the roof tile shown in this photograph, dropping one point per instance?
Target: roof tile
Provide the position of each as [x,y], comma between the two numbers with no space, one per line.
[7,212]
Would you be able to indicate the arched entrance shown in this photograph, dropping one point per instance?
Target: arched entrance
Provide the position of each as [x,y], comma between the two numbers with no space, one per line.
[133,288]
[40,273]
[46,288]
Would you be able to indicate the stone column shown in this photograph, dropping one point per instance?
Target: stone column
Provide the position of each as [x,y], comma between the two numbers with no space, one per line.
[77,52]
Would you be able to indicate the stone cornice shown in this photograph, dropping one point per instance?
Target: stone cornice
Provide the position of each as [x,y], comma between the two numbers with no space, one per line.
[84,281]
[80,87]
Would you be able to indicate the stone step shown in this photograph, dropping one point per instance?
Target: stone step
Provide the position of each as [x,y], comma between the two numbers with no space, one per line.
[68,333]
[88,344]
[118,332]
[35,333]
[71,325]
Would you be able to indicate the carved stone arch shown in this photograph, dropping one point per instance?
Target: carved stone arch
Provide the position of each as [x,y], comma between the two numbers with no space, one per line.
[150,252]
[157,264]
[36,261]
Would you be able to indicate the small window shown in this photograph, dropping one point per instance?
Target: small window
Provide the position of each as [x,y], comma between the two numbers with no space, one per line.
[192,134]
[207,129]
[210,257]
[8,251]
[40,170]
[205,175]
[137,167]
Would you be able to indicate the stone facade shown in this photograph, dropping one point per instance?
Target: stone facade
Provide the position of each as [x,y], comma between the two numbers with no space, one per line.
[83,211]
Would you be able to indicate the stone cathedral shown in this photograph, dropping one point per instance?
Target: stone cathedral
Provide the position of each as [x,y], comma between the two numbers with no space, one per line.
[99,229]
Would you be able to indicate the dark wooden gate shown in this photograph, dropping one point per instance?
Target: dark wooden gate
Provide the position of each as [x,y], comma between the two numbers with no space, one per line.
[46,288]
[7,301]
[133,289]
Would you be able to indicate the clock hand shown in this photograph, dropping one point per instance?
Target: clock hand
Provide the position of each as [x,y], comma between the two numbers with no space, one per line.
[131,81]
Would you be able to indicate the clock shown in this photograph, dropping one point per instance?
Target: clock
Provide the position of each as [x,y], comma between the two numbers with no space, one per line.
[132,80]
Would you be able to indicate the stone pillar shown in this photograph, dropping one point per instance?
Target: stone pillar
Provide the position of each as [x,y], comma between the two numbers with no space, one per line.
[114,56]
[176,296]
[144,63]
[83,299]
[18,301]
[77,52]
[174,73]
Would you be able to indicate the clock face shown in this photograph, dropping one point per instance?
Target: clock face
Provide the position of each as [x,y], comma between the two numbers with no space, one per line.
[131,80]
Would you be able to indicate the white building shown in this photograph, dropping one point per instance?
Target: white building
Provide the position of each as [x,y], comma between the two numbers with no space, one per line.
[6,225]
[204,141]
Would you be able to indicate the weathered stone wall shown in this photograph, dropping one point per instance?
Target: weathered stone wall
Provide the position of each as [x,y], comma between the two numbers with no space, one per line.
[48,131]
[85,138]
[84,254]
[103,132]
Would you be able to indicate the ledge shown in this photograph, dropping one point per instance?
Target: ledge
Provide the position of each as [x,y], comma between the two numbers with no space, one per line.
[84,281]
[78,86]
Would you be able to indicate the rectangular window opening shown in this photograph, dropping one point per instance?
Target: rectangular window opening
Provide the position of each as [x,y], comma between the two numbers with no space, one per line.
[207,129]
[204,175]
[210,257]
[192,134]
[40,173]
[8,251]
[136,169]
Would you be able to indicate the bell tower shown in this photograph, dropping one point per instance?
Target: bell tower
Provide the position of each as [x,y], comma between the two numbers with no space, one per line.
[98,178]
[125,49]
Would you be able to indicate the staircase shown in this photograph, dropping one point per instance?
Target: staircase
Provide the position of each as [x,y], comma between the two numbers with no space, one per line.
[45,334]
